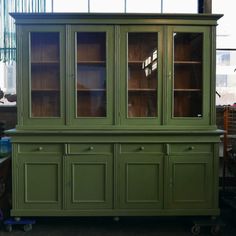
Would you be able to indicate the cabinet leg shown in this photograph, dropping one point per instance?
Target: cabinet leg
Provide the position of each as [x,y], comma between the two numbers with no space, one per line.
[214,223]
[116,218]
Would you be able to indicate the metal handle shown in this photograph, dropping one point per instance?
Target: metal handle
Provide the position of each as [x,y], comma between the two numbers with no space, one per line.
[91,148]
[167,149]
[141,148]
[191,148]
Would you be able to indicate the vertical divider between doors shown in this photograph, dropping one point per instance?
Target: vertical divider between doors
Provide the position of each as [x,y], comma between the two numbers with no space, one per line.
[165,96]
[69,75]
[116,73]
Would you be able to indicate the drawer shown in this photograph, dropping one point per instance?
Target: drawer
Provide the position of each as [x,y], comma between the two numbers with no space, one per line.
[89,148]
[147,147]
[40,147]
[190,148]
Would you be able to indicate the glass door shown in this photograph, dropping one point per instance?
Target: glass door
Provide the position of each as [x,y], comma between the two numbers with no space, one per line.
[188,74]
[92,83]
[44,64]
[141,75]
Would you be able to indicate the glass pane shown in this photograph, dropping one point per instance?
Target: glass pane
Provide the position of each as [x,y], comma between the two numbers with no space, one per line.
[226,77]
[187,77]
[45,74]
[107,6]
[70,6]
[91,74]
[180,6]
[146,6]
[142,74]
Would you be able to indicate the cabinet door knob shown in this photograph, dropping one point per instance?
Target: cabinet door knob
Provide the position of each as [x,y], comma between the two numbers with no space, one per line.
[91,148]
[141,148]
[191,148]
[40,148]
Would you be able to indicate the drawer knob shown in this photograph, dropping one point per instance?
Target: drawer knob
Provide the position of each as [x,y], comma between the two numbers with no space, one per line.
[91,148]
[191,148]
[141,148]
[40,148]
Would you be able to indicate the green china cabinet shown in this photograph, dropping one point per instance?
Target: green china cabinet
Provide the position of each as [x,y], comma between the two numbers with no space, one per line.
[116,115]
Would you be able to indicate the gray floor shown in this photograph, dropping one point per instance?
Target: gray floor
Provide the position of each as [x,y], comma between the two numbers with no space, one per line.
[127,226]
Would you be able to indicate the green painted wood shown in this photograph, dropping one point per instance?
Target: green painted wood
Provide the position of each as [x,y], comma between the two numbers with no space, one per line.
[124,117]
[89,181]
[68,24]
[115,165]
[140,180]
[189,181]
[38,181]
[204,119]
[24,79]
[74,120]
[117,18]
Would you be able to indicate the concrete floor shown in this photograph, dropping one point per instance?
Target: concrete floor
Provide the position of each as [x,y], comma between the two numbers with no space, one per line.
[127,226]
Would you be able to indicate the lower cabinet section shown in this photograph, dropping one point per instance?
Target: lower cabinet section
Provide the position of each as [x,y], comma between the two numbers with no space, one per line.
[38,181]
[140,178]
[89,181]
[189,181]
[114,178]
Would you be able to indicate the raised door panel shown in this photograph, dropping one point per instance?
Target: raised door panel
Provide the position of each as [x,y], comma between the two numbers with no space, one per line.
[189,181]
[140,179]
[91,86]
[39,182]
[189,76]
[141,72]
[89,180]
[42,76]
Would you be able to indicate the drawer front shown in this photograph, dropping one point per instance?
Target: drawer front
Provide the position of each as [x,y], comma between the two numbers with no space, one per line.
[40,147]
[89,148]
[190,148]
[139,148]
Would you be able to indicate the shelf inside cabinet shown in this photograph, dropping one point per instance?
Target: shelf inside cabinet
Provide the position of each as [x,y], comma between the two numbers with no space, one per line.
[47,63]
[187,90]
[141,90]
[188,62]
[44,90]
[91,90]
[91,62]
[135,62]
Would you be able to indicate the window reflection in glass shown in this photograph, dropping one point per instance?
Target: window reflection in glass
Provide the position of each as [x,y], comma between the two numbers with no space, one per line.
[142,74]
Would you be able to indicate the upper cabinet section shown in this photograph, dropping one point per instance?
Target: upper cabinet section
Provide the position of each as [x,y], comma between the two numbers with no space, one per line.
[116,71]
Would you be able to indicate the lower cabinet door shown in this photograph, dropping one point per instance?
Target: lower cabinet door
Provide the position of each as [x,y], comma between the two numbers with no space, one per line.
[189,181]
[141,181]
[89,181]
[38,184]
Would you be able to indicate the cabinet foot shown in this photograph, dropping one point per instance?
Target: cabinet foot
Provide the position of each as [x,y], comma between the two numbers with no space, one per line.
[214,224]
[116,218]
